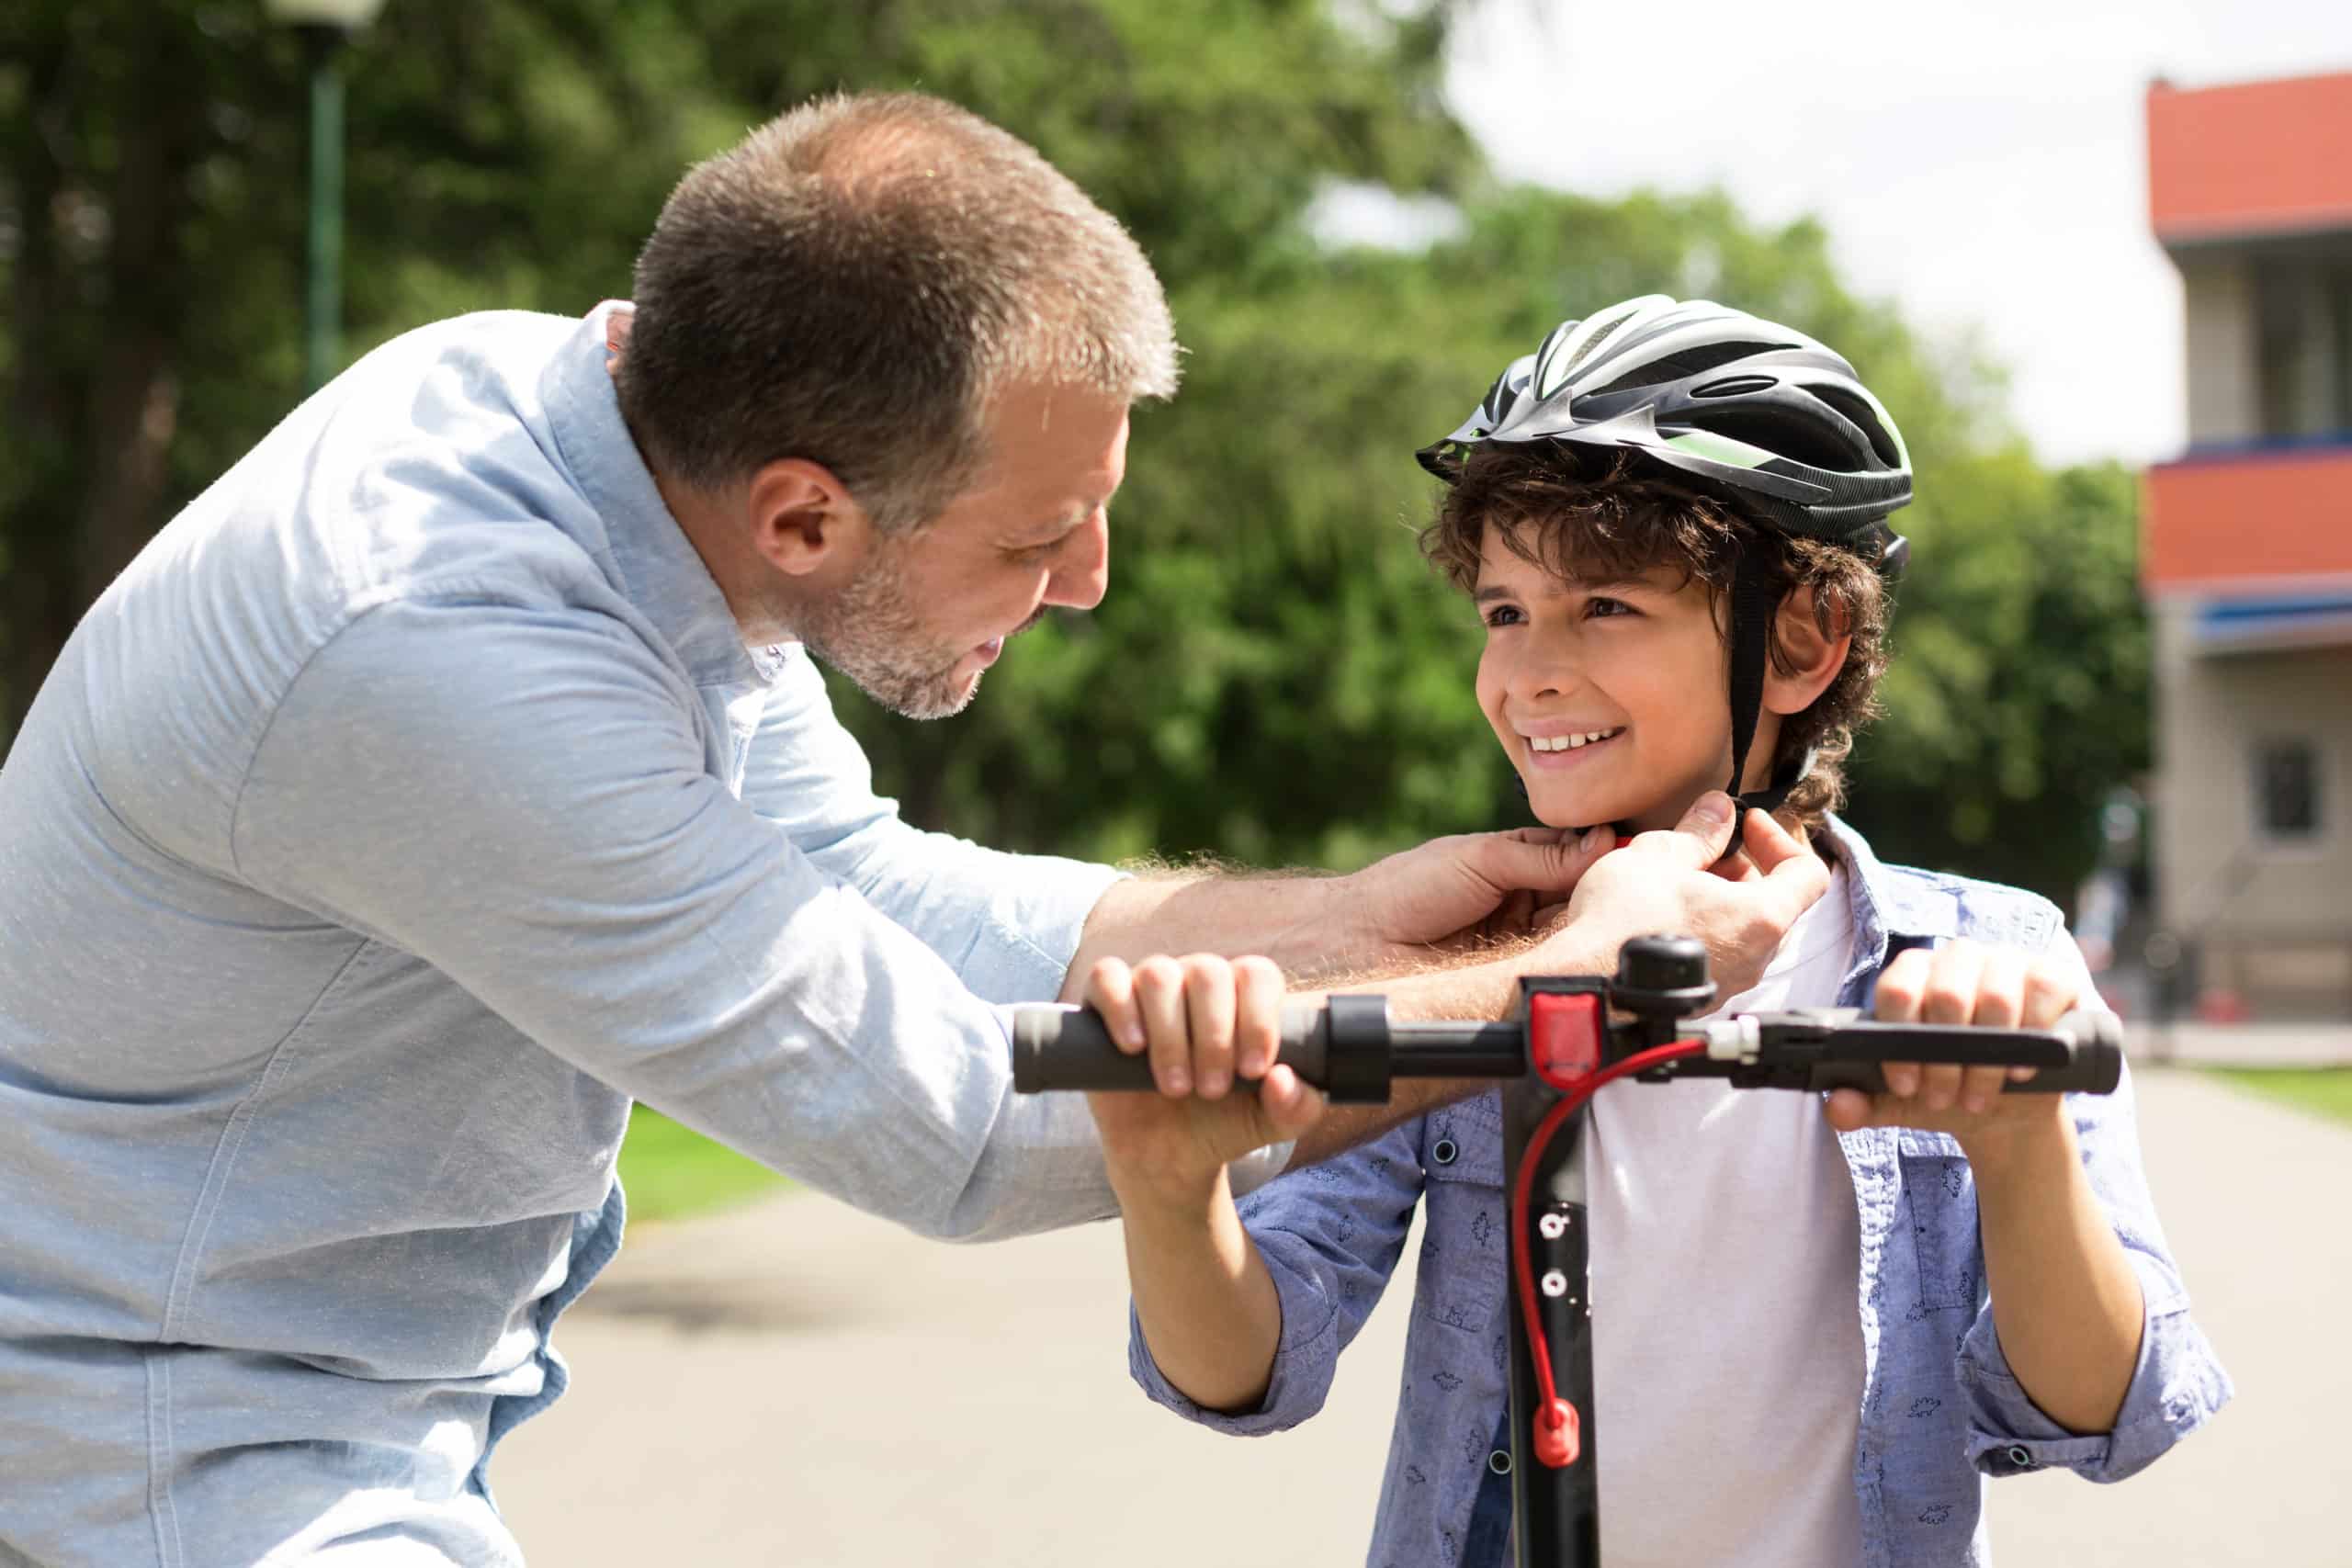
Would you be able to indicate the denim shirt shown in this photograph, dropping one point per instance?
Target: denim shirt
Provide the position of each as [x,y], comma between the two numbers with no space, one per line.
[1941,1410]
[410,806]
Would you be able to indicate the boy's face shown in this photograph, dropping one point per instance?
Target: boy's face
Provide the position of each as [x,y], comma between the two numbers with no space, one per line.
[1639,663]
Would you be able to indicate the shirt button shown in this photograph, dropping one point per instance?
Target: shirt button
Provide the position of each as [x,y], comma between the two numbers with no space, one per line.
[2018,1456]
[1444,1151]
[1499,1462]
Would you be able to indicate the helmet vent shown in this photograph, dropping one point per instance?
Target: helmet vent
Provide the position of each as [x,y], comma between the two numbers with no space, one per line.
[1680,367]
[1736,387]
[1866,420]
[1798,439]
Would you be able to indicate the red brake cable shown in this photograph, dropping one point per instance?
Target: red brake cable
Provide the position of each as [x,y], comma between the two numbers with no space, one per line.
[1558,1437]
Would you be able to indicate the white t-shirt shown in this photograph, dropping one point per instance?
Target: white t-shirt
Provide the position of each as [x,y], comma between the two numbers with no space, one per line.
[1727,1339]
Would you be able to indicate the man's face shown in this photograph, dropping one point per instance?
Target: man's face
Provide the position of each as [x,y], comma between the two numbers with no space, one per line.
[928,612]
[1638,664]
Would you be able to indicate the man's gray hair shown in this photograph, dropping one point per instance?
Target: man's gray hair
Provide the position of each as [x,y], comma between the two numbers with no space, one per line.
[857,281]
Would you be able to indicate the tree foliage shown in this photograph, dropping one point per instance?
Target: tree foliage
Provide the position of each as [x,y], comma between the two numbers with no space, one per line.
[1275,676]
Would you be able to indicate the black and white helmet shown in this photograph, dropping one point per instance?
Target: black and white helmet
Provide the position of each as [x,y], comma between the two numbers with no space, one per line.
[1761,416]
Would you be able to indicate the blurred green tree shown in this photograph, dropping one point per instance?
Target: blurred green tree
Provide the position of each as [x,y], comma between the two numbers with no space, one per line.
[1275,676]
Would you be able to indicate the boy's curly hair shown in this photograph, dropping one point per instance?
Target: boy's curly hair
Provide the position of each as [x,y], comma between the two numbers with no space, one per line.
[1575,514]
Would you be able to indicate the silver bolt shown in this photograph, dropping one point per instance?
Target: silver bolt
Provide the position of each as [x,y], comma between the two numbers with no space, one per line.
[1552,1227]
[1555,1283]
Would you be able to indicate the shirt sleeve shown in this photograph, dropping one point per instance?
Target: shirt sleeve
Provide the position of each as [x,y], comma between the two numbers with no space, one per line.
[1330,1234]
[2177,1385]
[1008,924]
[520,797]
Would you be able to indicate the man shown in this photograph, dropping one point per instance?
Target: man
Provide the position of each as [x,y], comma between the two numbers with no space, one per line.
[453,773]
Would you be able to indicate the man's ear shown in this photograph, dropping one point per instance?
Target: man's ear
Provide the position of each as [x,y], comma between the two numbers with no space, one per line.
[1813,658]
[803,519]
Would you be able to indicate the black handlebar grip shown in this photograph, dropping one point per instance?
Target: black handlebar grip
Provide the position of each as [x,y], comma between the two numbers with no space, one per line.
[1061,1048]
[2081,1054]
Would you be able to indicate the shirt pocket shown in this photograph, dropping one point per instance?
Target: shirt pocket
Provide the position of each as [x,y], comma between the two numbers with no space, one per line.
[1466,1234]
[1940,1208]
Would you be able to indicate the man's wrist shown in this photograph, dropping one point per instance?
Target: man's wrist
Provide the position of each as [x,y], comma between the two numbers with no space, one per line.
[1349,925]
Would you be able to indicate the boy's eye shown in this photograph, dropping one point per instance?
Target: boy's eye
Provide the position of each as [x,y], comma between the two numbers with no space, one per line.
[1503,615]
[1601,607]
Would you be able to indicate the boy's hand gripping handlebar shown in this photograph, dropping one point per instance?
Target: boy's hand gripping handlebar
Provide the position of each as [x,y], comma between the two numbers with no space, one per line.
[1350,1049]
[1561,1048]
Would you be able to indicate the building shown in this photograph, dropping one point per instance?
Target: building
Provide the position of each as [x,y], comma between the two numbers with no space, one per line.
[2246,550]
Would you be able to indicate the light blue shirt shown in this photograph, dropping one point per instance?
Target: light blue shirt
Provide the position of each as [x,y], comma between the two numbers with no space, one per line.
[410,806]
[1941,1410]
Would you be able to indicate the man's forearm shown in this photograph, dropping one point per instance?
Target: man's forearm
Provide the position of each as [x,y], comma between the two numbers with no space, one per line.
[1301,922]
[1482,989]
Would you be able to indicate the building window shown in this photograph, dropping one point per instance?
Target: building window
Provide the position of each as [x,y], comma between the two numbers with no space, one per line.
[2286,789]
[2303,329]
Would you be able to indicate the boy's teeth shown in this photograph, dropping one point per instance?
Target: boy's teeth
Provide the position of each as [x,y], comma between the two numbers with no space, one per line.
[1569,742]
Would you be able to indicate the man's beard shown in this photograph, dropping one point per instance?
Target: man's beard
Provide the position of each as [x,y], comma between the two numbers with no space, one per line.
[868,632]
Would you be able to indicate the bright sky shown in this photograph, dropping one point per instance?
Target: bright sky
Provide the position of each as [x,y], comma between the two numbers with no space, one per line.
[1982,164]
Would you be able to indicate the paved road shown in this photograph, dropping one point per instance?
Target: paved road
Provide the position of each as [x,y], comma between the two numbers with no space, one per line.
[795,1384]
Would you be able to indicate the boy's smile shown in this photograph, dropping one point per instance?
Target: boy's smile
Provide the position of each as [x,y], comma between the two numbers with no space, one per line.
[1609,696]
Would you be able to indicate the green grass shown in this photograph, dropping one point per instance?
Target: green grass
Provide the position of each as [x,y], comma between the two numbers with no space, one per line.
[671,1171]
[2325,1092]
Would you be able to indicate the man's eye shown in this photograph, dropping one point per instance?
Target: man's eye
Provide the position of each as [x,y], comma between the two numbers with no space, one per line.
[1034,555]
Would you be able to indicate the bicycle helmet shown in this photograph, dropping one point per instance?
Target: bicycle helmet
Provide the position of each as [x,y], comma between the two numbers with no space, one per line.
[1763,418]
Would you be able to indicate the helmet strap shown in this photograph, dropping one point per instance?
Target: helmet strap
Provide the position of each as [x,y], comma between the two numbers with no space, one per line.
[1752,609]
[1751,632]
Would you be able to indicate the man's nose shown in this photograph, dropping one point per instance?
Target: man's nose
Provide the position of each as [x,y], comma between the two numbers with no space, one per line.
[1082,571]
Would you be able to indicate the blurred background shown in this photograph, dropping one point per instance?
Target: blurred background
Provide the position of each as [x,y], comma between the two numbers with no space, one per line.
[1363,208]
[2096,258]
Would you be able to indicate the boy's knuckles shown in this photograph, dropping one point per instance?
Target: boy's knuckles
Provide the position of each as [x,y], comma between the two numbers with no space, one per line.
[1158,974]
[2050,994]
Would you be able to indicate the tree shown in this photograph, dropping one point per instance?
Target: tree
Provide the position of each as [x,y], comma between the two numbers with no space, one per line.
[151,190]
[1275,676]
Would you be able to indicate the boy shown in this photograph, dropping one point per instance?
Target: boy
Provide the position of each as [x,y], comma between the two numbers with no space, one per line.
[1805,1351]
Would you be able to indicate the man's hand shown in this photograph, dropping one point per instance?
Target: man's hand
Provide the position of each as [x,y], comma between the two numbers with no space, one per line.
[1669,883]
[1207,1023]
[1452,895]
[1962,983]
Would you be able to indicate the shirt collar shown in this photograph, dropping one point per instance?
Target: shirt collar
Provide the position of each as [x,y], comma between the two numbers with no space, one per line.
[1890,912]
[645,553]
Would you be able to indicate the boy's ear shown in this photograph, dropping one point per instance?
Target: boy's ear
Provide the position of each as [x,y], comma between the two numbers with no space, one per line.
[1810,657]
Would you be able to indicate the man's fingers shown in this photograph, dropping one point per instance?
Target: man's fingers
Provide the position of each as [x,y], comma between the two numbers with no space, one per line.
[1541,860]
[1702,835]
[1796,876]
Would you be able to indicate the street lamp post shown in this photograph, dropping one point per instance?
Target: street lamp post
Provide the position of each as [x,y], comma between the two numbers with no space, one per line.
[325,26]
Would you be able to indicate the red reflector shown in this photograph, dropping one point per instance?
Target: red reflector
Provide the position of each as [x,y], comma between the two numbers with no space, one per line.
[1558,1446]
[1563,1036]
